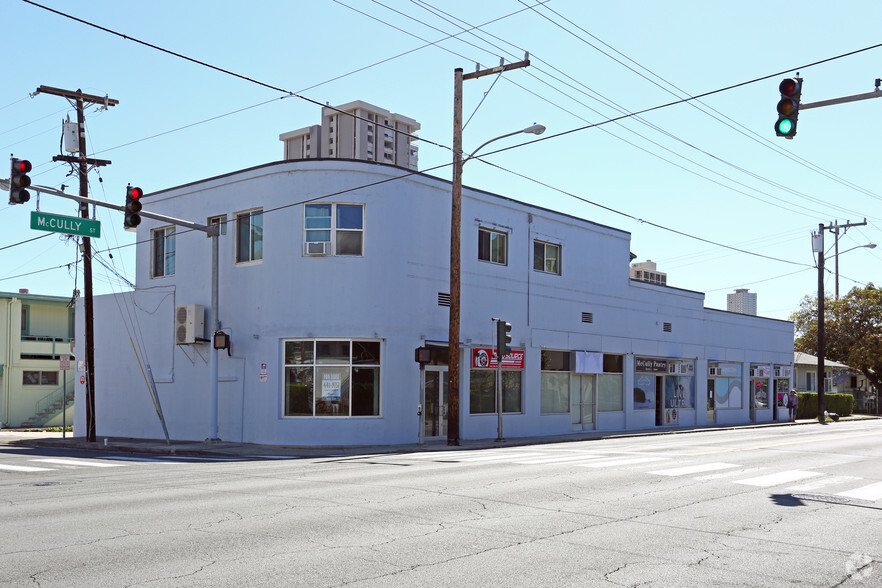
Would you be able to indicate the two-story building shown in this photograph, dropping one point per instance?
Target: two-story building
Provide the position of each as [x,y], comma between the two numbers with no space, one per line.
[35,332]
[333,272]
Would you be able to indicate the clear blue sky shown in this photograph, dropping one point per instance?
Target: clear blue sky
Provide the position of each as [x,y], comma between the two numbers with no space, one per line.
[713,170]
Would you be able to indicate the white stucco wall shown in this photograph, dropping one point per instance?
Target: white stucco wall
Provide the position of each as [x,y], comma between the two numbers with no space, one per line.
[389,294]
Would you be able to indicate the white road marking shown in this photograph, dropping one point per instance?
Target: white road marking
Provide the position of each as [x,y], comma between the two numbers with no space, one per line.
[778,478]
[730,474]
[15,468]
[870,492]
[696,469]
[561,459]
[79,463]
[501,457]
[621,462]
[821,482]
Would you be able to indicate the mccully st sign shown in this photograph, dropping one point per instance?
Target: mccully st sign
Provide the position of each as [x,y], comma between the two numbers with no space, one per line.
[70,225]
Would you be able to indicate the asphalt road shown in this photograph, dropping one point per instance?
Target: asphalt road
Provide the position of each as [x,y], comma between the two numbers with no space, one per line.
[783,506]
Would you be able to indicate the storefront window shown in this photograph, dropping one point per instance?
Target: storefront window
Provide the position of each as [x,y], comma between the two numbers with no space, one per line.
[679,392]
[725,381]
[332,378]
[555,381]
[482,391]
[609,393]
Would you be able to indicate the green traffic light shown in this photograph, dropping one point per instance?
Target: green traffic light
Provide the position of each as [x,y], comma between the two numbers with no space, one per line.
[785,125]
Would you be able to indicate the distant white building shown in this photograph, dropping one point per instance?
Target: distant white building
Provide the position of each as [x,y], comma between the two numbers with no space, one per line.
[357,130]
[646,271]
[741,301]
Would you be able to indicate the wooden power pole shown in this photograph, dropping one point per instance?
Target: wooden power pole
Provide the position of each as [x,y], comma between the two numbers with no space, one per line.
[83,164]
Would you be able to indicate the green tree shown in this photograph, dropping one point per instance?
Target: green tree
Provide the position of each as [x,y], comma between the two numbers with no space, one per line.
[852,330]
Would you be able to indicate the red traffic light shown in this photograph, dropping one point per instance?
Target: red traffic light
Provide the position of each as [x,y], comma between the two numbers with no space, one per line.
[22,166]
[135,193]
[789,87]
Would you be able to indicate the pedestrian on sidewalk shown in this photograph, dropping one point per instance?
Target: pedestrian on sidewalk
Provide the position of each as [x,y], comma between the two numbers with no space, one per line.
[792,402]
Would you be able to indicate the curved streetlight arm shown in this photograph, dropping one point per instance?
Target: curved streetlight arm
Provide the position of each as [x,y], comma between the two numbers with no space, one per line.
[536,129]
[868,246]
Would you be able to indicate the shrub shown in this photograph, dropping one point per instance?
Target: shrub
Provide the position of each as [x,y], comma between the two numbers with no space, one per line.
[841,404]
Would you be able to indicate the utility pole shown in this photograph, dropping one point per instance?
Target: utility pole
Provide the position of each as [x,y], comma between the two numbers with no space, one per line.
[455,241]
[833,228]
[83,170]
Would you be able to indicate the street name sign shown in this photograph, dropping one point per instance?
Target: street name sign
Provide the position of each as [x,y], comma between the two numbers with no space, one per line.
[70,225]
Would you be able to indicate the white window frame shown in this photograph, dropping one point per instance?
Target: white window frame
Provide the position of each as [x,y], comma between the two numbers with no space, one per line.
[317,365]
[168,252]
[545,245]
[251,258]
[219,220]
[333,229]
[500,234]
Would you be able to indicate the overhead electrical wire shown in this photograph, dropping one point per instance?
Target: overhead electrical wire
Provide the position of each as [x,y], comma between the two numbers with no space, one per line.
[593,125]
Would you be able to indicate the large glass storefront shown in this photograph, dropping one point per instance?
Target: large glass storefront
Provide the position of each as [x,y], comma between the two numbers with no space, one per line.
[582,384]
[664,386]
[338,378]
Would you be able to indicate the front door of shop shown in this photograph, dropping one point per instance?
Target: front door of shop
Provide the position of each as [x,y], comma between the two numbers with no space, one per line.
[711,412]
[435,407]
[582,402]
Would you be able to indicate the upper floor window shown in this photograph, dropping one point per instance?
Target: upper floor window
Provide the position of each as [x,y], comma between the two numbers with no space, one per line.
[546,257]
[25,319]
[339,226]
[220,221]
[492,246]
[163,252]
[249,236]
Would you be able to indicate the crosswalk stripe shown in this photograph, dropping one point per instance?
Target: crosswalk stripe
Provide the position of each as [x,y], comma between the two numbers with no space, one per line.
[869,492]
[79,463]
[14,468]
[560,459]
[621,462]
[695,469]
[778,478]
[500,457]
[821,482]
[729,474]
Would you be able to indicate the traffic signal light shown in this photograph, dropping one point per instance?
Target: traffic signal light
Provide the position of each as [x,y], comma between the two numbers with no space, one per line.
[503,340]
[788,107]
[133,207]
[19,180]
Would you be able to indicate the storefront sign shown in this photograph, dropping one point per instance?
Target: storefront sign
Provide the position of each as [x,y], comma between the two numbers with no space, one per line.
[650,365]
[485,357]
[589,363]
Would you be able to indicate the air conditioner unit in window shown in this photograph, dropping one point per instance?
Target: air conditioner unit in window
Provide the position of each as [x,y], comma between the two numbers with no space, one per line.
[684,369]
[755,373]
[317,248]
[673,368]
[189,324]
[714,371]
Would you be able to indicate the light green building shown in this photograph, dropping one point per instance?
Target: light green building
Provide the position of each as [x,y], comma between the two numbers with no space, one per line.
[35,332]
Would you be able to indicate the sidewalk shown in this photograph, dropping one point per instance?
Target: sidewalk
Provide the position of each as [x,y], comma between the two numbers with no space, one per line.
[228,449]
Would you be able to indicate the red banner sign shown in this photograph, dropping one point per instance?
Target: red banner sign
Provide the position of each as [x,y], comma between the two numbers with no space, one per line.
[485,357]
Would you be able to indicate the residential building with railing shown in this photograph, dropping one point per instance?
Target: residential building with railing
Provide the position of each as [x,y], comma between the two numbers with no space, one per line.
[35,332]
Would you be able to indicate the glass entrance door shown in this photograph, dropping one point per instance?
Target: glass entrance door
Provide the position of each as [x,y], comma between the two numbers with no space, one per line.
[711,412]
[435,410]
[582,402]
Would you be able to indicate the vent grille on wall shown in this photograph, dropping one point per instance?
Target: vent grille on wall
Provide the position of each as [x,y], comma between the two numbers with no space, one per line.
[587,317]
[443,299]
[667,328]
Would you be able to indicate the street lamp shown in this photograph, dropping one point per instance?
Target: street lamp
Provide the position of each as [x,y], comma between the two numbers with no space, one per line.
[838,253]
[455,242]
[455,257]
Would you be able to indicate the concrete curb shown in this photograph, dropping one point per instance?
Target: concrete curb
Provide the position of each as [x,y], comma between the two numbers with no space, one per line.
[225,449]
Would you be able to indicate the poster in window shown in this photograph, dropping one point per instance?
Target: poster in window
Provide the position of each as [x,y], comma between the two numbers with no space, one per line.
[644,392]
[331,387]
